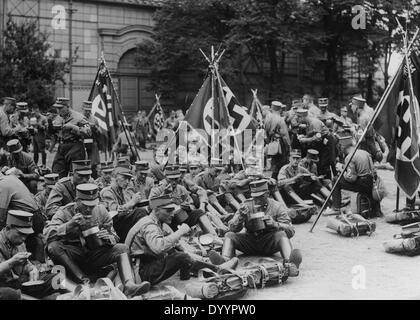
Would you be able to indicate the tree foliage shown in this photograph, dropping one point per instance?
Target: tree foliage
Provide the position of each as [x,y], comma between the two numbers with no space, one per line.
[27,71]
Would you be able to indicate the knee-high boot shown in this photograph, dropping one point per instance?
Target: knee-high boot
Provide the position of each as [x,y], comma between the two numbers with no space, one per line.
[219,208]
[206,226]
[76,273]
[125,271]
[228,250]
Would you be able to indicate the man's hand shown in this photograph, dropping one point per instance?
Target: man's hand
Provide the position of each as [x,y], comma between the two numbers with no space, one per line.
[184,228]
[76,220]
[72,127]
[34,274]
[106,236]
[19,258]
[243,210]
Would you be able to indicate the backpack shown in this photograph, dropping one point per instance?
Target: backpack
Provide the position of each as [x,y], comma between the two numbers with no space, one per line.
[351,225]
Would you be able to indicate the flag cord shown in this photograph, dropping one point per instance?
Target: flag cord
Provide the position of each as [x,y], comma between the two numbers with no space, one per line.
[372,120]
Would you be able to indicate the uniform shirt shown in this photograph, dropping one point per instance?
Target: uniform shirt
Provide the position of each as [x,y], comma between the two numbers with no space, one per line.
[275,123]
[180,193]
[311,167]
[360,165]
[143,188]
[102,183]
[23,162]
[58,230]
[288,171]
[14,195]
[208,182]
[8,250]
[41,199]
[113,197]
[76,118]
[63,192]
[5,127]
[151,237]
[314,126]
[274,209]
[323,116]
[313,110]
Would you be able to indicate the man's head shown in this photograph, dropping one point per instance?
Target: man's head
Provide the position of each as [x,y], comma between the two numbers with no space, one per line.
[343,111]
[22,107]
[252,166]
[87,108]
[142,170]
[323,104]
[216,166]
[307,100]
[49,181]
[63,106]
[106,170]
[14,147]
[9,105]
[18,226]
[173,114]
[123,177]
[173,175]
[297,104]
[302,114]
[312,155]
[265,110]
[163,208]
[357,104]
[195,168]
[259,191]
[295,156]
[81,171]
[345,144]
[276,105]
[87,198]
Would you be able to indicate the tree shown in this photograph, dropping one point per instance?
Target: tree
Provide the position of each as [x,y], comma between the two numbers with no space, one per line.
[27,71]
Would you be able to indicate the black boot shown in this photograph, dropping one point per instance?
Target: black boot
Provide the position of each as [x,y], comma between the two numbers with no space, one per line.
[125,270]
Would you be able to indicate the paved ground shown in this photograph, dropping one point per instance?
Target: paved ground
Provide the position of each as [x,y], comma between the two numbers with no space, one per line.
[334,267]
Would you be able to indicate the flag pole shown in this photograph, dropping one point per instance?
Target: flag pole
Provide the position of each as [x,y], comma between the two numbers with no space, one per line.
[372,120]
[119,105]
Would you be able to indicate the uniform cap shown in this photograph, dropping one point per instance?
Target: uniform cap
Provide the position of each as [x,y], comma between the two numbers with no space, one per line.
[107,166]
[251,161]
[183,168]
[22,106]
[345,141]
[359,101]
[172,172]
[313,155]
[124,162]
[51,179]
[82,167]
[217,163]
[258,188]
[302,112]
[33,121]
[297,104]
[87,105]
[295,153]
[323,102]
[142,166]
[64,101]
[88,194]
[21,220]
[123,171]
[12,100]
[276,105]
[14,146]
[162,202]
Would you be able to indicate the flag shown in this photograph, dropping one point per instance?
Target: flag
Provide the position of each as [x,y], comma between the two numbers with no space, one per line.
[201,115]
[398,122]
[103,100]
[256,110]
[156,117]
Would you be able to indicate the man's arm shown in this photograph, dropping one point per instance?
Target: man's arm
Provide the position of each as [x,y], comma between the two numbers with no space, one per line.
[30,164]
[54,201]
[158,243]
[5,128]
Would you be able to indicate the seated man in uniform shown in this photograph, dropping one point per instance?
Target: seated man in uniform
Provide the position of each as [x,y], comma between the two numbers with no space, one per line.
[15,268]
[81,238]
[41,197]
[142,183]
[106,175]
[122,203]
[64,190]
[157,245]
[189,212]
[25,168]
[272,236]
[357,178]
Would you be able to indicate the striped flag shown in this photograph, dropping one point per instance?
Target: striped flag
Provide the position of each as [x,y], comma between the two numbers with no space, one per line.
[156,117]
[102,97]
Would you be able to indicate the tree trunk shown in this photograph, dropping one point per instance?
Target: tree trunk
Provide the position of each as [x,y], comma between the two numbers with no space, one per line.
[272,58]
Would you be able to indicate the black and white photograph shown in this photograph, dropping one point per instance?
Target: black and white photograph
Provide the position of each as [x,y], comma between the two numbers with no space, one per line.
[213,150]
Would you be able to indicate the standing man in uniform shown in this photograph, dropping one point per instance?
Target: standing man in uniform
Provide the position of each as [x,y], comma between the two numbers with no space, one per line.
[91,144]
[23,164]
[324,115]
[64,190]
[308,103]
[20,121]
[75,128]
[39,126]
[6,130]
[68,246]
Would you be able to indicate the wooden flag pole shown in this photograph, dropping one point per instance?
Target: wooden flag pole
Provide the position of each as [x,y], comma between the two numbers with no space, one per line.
[372,120]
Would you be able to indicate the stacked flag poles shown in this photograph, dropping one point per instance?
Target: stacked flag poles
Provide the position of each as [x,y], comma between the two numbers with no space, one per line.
[131,143]
[375,115]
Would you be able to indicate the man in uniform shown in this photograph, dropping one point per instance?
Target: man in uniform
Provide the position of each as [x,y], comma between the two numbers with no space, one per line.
[106,175]
[157,246]
[6,130]
[69,245]
[21,164]
[15,268]
[39,125]
[188,212]
[319,138]
[171,122]
[41,197]
[122,145]
[91,144]
[357,178]
[324,115]
[118,199]
[277,135]
[142,183]
[64,190]
[75,128]
[20,121]
[272,238]
[141,128]
[308,103]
